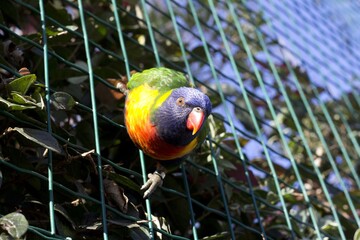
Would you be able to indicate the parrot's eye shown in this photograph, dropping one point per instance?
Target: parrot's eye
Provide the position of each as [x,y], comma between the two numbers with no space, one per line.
[180,101]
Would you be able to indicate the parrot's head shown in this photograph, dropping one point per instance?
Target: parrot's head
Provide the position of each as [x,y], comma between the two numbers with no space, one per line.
[182,115]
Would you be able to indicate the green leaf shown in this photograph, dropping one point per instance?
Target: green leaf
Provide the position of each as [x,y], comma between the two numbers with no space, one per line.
[331,228]
[23,100]
[15,224]
[62,101]
[40,137]
[14,106]
[22,84]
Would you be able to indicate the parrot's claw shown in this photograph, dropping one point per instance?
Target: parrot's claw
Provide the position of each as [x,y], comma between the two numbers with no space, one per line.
[155,180]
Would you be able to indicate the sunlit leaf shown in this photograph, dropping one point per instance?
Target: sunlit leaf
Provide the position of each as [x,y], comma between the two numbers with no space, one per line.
[23,100]
[22,84]
[14,106]
[331,228]
[15,224]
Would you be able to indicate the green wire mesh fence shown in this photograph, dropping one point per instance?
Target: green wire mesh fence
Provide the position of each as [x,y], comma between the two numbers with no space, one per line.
[281,160]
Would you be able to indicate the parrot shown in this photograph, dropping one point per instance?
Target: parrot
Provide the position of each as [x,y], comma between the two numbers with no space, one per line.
[165,117]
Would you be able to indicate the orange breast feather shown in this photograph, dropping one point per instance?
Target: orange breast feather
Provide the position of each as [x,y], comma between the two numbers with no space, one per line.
[139,103]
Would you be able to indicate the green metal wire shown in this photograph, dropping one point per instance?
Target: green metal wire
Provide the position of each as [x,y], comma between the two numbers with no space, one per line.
[222,191]
[47,89]
[342,118]
[86,197]
[142,161]
[303,138]
[188,198]
[257,128]
[307,106]
[121,38]
[181,44]
[250,93]
[241,156]
[157,58]
[151,33]
[272,111]
[319,49]
[191,80]
[333,60]
[95,122]
[322,139]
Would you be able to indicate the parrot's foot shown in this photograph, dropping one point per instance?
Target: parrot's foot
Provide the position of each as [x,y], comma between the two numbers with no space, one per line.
[122,88]
[155,180]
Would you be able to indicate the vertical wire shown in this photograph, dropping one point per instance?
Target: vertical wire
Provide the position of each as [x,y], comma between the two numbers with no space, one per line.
[222,97]
[332,60]
[181,44]
[347,127]
[191,79]
[319,28]
[303,138]
[221,187]
[121,39]
[313,119]
[257,128]
[151,33]
[343,119]
[141,155]
[329,119]
[300,131]
[47,89]
[142,159]
[96,133]
[272,110]
[329,57]
[127,68]
[188,198]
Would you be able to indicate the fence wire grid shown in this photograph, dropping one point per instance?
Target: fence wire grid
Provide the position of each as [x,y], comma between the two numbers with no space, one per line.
[281,160]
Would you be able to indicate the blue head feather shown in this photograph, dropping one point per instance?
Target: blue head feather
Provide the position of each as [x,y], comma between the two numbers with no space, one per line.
[170,118]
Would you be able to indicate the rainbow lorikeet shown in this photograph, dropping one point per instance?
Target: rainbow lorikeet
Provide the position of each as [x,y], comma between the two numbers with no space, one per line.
[165,118]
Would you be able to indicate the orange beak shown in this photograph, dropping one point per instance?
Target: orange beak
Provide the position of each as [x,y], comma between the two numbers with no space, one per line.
[195,120]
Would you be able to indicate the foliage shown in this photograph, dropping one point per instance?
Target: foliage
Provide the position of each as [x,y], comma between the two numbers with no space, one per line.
[13,226]
[29,143]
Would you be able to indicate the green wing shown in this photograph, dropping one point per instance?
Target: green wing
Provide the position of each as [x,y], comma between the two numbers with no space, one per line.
[163,79]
